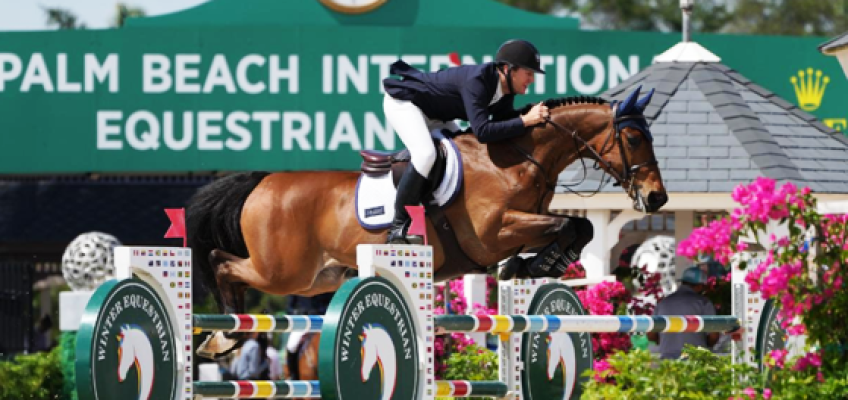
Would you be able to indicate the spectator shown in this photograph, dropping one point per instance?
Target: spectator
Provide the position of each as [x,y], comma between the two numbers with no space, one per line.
[44,334]
[276,366]
[687,300]
[253,362]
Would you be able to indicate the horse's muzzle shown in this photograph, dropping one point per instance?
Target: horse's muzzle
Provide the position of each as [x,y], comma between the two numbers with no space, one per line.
[655,201]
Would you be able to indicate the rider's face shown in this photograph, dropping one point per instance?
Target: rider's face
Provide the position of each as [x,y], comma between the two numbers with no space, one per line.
[521,79]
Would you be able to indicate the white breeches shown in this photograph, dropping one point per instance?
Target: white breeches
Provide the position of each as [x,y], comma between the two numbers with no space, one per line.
[294,340]
[413,128]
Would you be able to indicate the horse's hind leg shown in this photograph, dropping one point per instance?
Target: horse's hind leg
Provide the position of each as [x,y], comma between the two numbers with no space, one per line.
[233,276]
[229,270]
[330,278]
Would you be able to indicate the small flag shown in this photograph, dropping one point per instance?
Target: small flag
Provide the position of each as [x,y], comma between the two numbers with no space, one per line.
[177,228]
[419,224]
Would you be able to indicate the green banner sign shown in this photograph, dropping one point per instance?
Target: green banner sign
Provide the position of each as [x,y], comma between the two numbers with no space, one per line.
[239,97]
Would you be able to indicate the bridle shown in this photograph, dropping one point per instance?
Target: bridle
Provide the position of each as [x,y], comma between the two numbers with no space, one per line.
[627,173]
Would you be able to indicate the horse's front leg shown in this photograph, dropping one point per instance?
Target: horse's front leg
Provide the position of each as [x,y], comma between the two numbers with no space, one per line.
[519,228]
[562,238]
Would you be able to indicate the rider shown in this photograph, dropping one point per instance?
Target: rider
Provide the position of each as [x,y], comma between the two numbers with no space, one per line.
[482,94]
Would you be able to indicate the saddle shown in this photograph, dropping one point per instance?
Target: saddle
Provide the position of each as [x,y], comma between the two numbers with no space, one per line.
[379,164]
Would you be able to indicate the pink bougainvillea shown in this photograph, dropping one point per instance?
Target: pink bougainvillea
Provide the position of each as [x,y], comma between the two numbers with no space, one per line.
[600,300]
[802,272]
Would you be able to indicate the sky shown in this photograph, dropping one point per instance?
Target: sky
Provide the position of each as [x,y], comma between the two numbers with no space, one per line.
[16,15]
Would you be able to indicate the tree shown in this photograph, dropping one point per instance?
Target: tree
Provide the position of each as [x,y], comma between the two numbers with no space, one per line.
[123,12]
[790,17]
[640,15]
[770,17]
[62,18]
[539,6]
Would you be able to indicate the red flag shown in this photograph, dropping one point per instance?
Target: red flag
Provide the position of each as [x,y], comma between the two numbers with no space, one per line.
[419,224]
[177,228]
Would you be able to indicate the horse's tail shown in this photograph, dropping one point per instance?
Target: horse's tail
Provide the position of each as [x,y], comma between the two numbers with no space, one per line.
[213,221]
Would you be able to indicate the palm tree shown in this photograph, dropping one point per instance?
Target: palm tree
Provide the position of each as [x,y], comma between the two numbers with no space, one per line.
[62,18]
[123,11]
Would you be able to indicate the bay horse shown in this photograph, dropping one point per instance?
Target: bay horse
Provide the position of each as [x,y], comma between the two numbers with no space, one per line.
[297,232]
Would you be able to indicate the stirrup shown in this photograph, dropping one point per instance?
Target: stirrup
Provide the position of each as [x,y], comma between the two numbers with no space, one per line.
[397,233]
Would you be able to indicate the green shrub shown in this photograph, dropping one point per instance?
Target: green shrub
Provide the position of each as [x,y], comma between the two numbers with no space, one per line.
[32,377]
[640,375]
[473,363]
[68,357]
[703,375]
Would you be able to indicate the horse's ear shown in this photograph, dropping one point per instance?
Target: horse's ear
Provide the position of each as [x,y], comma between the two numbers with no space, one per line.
[643,102]
[627,105]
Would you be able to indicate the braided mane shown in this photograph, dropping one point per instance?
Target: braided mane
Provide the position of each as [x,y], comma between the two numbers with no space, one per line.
[565,101]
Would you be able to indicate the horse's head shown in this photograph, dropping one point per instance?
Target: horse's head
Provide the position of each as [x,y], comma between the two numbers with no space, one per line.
[369,351]
[617,137]
[126,353]
[629,156]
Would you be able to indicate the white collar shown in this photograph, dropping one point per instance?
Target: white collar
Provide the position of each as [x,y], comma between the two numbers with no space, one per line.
[498,93]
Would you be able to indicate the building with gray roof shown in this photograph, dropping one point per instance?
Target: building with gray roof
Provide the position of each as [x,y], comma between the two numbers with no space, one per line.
[713,130]
[837,47]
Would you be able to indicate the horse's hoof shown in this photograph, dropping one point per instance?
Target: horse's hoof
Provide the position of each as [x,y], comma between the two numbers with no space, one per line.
[217,345]
[511,268]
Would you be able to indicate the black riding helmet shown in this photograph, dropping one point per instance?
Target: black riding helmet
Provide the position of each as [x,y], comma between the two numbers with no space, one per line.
[519,53]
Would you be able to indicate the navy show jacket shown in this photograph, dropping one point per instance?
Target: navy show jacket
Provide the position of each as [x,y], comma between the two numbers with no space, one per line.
[463,92]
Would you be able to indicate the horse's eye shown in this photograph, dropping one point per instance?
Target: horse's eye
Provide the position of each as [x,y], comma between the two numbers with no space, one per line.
[634,141]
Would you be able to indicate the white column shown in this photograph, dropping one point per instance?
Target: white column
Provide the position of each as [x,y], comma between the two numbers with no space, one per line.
[474,286]
[595,257]
[684,223]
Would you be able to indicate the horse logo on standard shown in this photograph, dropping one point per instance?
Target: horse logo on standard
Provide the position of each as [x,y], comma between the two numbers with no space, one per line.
[373,333]
[135,350]
[554,362]
[130,327]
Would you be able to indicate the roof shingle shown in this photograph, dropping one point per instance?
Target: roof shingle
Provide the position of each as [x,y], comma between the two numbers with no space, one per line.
[715,129]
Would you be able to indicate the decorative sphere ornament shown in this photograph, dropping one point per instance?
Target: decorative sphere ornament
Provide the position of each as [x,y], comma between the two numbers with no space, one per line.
[89,260]
[657,256]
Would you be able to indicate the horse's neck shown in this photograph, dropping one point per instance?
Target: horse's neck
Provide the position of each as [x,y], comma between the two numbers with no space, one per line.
[556,148]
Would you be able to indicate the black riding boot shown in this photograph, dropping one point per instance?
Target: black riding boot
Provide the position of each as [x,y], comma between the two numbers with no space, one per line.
[410,191]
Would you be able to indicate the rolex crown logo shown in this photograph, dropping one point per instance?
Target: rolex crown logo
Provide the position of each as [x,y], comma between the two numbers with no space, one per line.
[809,88]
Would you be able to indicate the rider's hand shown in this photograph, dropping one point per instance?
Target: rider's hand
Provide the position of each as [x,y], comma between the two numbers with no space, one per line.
[536,115]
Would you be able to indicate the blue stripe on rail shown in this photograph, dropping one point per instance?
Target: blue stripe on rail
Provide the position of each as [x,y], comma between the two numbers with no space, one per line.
[626,323]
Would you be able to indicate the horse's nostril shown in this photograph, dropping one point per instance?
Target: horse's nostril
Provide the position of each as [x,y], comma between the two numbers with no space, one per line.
[657,199]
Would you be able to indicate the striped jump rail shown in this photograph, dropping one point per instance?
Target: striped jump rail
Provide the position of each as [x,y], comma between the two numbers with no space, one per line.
[585,323]
[258,389]
[471,388]
[256,323]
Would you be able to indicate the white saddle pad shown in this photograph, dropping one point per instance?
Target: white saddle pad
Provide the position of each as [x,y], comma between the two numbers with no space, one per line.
[375,195]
